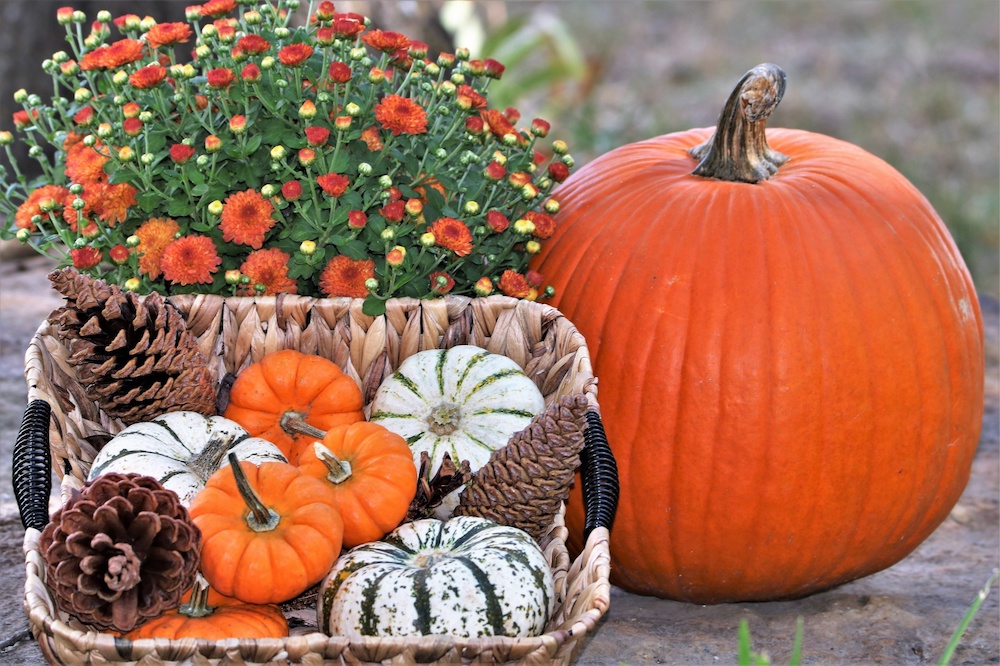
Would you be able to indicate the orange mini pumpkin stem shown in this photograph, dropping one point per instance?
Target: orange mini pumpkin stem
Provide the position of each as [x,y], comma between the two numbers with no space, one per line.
[738,150]
[261,518]
[340,470]
[197,605]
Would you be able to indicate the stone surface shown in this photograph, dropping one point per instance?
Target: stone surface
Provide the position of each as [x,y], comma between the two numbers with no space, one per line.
[904,615]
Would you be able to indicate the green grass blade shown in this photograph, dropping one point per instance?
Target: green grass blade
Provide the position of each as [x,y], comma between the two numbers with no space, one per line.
[956,637]
[796,658]
[744,655]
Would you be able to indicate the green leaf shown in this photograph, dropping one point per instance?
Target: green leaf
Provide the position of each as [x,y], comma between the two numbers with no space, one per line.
[181,207]
[147,201]
[199,190]
[355,249]
[373,306]
[254,143]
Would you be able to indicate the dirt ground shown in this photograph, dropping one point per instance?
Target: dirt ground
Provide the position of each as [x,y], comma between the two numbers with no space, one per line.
[904,615]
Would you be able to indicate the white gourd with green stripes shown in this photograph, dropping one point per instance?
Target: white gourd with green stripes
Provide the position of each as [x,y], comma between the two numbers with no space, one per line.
[464,401]
[465,577]
[181,450]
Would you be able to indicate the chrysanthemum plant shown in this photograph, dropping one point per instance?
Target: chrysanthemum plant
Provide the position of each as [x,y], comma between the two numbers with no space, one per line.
[292,153]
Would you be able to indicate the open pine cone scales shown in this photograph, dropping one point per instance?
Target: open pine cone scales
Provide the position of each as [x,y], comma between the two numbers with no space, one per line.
[525,482]
[133,356]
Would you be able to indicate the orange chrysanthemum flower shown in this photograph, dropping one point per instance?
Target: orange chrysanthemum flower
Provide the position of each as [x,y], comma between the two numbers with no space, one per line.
[246,218]
[85,257]
[372,139]
[149,76]
[154,235]
[452,234]
[344,276]
[190,260]
[85,165]
[514,284]
[214,8]
[498,123]
[386,40]
[33,205]
[122,52]
[269,268]
[294,55]
[545,225]
[167,34]
[111,202]
[401,115]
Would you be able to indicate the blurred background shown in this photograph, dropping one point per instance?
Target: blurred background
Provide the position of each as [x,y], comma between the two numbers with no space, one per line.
[916,82]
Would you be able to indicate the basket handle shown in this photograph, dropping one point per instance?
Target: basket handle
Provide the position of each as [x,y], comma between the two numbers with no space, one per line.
[32,468]
[600,477]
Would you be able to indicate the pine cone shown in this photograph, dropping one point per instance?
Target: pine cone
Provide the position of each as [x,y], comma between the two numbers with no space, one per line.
[525,482]
[134,357]
[120,552]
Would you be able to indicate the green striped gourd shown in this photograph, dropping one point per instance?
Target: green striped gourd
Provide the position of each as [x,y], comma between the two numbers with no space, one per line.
[466,577]
[181,450]
[464,401]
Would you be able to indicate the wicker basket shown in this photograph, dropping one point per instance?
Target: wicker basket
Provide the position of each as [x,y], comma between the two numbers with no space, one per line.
[61,426]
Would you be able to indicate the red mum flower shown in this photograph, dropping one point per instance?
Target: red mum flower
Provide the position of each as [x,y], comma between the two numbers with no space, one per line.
[124,52]
[386,41]
[317,136]
[534,278]
[167,34]
[498,123]
[148,77]
[85,257]
[558,171]
[340,72]
[441,282]
[492,68]
[345,26]
[291,190]
[495,171]
[333,184]
[452,234]
[325,11]
[514,284]
[220,77]
[215,8]
[401,115]
[127,22]
[268,268]
[497,221]
[344,276]
[474,125]
[250,72]
[180,153]
[52,195]
[472,99]
[154,236]
[253,44]
[394,212]
[246,218]
[132,126]
[540,127]
[64,15]
[22,119]
[111,202]
[119,254]
[545,226]
[190,260]
[357,219]
[294,55]
[84,116]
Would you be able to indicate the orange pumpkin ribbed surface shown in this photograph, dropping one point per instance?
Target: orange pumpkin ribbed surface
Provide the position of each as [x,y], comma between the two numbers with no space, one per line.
[791,370]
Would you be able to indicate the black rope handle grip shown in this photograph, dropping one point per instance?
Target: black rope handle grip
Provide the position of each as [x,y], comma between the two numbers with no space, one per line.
[600,477]
[32,468]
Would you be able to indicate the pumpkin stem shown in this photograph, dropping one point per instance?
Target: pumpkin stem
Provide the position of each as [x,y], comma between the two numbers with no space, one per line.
[207,462]
[260,519]
[738,151]
[339,470]
[197,605]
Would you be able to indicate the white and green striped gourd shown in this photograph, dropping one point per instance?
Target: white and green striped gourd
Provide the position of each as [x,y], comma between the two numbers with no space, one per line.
[464,401]
[466,577]
[181,450]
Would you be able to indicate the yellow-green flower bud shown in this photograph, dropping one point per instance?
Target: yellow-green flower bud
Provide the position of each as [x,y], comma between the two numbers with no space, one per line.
[23,235]
[21,96]
[120,78]
[215,208]
[559,147]
[471,208]
[529,192]
[385,181]
[126,154]
[209,31]
[432,69]
[188,71]
[371,284]
[79,17]
[132,284]
[448,88]
[147,158]
[365,169]
[104,130]
[523,226]
[203,161]
[76,188]
[268,190]
[551,206]
[89,140]
[146,23]
[78,204]
[532,247]
[427,239]
[388,234]
[568,160]
[352,110]
[60,57]
[35,152]
[278,153]
[104,16]
[499,157]
[203,51]
[252,17]
[458,78]
[357,53]
[233,277]
[133,241]
[282,32]
[81,95]
[34,100]
[146,116]
[6,138]
[307,247]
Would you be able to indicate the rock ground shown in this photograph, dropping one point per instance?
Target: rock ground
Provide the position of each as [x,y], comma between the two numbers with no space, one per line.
[904,615]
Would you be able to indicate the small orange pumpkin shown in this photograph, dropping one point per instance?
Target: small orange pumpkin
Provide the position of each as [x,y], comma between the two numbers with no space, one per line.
[372,472]
[268,532]
[204,613]
[287,384]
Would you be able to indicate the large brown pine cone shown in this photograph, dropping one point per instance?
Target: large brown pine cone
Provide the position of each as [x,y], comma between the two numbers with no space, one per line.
[120,552]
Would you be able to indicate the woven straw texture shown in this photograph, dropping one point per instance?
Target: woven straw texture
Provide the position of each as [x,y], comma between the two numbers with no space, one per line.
[234,332]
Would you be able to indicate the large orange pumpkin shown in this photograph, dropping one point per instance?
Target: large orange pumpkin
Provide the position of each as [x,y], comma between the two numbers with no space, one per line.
[789,348]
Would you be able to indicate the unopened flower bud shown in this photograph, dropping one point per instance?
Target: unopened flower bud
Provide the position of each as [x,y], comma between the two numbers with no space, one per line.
[484,286]
[448,88]
[396,256]
[60,57]
[104,16]
[233,277]
[388,234]
[532,247]
[352,110]
[147,158]
[132,284]
[268,190]
[35,152]
[427,239]
[238,124]
[81,95]
[6,138]
[252,17]
[213,144]
[551,206]
[64,15]
[267,62]
[23,235]
[89,140]
[282,32]
[371,284]
[342,123]
[133,241]
[376,75]
[357,53]
[79,17]
[458,78]
[385,181]
[523,226]
[34,100]
[202,51]
[126,154]
[216,207]
[471,208]
[414,207]
[529,192]
[307,110]
[365,169]
[104,130]
[462,53]
[307,247]
[146,116]
[559,147]
[203,161]
[432,69]
[78,204]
